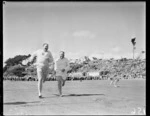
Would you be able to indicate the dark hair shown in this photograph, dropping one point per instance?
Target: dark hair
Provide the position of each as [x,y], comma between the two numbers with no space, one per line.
[45,44]
[63,52]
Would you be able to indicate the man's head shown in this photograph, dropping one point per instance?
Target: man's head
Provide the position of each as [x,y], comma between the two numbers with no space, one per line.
[62,54]
[45,46]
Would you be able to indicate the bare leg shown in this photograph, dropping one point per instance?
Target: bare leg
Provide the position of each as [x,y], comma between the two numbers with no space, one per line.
[111,82]
[63,82]
[115,83]
[45,73]
[39,74]
[44,78]
[60,87]
[40,87]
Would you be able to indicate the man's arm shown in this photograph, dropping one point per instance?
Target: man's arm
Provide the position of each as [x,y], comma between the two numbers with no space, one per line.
[68,65]
[32,57]
[51,61]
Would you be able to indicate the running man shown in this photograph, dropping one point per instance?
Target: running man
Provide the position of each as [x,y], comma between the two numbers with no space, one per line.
[115,79]
[62,66]
[44,64]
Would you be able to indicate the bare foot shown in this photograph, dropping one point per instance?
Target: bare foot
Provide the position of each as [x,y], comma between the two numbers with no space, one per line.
[40,96]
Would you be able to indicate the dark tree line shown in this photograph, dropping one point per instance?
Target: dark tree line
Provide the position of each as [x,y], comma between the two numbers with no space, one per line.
[15,61]
[14,66]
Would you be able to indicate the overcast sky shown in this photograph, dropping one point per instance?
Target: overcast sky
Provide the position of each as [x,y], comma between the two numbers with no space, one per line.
[100,29]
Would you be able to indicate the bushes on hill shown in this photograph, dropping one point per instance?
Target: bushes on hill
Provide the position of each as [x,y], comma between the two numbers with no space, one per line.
[16,70]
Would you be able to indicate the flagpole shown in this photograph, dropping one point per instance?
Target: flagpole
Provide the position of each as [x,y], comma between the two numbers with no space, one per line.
[133,42]
[133,52]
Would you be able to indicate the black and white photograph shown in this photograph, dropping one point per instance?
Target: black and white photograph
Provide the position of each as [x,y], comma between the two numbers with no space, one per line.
[74,58]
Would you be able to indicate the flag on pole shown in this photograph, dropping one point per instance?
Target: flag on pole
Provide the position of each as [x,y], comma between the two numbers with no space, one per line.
[133,41]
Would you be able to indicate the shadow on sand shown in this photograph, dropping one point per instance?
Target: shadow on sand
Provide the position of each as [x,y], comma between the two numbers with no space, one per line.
[19,103]
[80,95]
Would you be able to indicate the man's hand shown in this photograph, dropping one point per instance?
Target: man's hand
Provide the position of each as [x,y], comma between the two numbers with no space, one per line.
[63,70]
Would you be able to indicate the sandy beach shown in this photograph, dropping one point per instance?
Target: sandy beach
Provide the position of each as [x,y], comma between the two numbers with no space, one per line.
[94,97]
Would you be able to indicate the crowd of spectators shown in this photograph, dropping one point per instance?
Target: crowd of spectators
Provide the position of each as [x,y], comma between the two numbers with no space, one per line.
[123,68]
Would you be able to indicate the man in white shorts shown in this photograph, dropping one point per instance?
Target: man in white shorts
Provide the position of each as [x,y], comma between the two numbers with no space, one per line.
[44,64]
[62,67]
